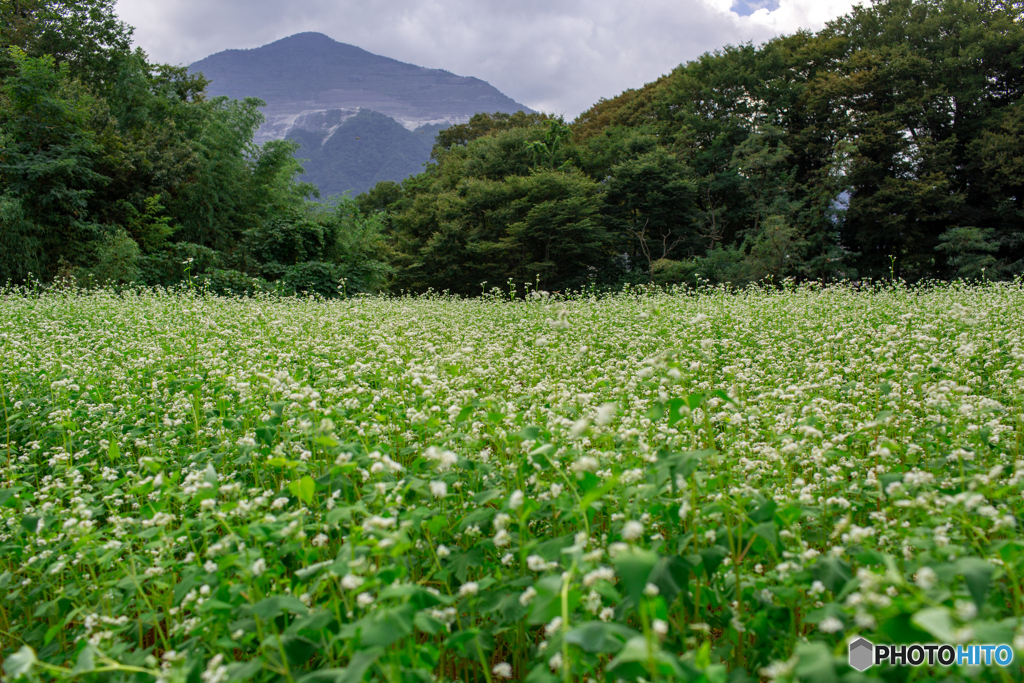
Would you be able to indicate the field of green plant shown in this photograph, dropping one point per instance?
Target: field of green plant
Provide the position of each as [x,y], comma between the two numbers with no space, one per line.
[646,486]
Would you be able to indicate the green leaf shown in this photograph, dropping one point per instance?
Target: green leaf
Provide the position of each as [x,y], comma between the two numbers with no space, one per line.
[113,452]
[311,624]
[30,523]
[548,603]
[385,626]
[675,412]
[815,663]
[269,608]
[639,652]
[9,497]
[712,557]
[670,575]
[600,637]
[767,531]
[686,463]
[461,563]
[297,648]
[541,674]
[656,411]
[487,496]
[832,572]
[636,649]
[995,632]
[353,673]
[303,489]
[977,574]
[243,671]
[86,660]
[936,621]
[634,568]
[20,663]
[470,641]
[428,624]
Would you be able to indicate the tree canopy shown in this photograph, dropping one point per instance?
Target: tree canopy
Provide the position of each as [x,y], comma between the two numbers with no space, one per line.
[114,168]
[890,143]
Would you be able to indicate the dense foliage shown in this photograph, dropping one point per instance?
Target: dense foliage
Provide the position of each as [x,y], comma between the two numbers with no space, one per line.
[115,169]
[360,152]
[643,487]
[889,143]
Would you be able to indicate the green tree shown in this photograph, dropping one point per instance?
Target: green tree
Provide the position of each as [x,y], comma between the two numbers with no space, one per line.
[84,35]
[47,169]
[650,204]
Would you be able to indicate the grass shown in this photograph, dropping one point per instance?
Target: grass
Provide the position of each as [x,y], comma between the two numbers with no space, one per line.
[645,486]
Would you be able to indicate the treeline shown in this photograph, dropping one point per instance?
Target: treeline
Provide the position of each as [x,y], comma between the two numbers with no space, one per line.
[116,169]
[891,143]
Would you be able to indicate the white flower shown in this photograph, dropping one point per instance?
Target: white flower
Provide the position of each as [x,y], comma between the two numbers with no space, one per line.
[585,464]
[660,628]
[606,614]
[259,566]
[606,413]
[651,591]
[926,578]
[527,596]
[439,489]
[502,538]
[536,563]
[442,551]
[364,599]
[469,588]
[444,459]
[632,530]
[830,624]
[515,501]
[502,670]
[966,610]
[350,582]
[210,566]
[599,574]
[578,427]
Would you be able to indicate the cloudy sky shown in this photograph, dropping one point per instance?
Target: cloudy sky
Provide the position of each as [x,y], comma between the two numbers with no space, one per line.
[557,56]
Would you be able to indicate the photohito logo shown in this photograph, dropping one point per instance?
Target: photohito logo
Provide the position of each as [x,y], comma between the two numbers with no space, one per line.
[864,654]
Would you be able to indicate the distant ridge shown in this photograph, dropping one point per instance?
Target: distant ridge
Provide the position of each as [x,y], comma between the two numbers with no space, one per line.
[309,73]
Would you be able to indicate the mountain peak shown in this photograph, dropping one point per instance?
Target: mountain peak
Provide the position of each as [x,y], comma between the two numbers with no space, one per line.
[311,71]
[322,94]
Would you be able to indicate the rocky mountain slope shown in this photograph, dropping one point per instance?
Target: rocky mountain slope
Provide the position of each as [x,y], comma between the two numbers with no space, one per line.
[313,83]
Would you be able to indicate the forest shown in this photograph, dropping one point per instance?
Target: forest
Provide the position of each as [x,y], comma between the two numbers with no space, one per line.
[889,144]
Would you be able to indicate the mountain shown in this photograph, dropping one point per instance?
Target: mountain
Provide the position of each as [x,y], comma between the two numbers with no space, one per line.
[312,82]
[362,150]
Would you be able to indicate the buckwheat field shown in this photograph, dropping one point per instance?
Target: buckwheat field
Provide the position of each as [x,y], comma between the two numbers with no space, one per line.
[647,486]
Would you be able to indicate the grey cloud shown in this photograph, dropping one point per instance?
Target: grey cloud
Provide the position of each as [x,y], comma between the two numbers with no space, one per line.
[559,56]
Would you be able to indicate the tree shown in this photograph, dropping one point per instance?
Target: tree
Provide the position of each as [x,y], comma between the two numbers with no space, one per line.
[85,35]
[650,203]
[47,169]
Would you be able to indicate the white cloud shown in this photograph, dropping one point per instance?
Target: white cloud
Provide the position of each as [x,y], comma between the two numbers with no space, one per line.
[552,55]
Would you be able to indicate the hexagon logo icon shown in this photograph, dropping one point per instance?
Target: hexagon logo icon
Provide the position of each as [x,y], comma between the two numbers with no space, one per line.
[862,654]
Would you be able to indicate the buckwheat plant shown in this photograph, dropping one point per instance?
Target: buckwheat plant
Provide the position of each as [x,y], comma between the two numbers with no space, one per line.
[646,486]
